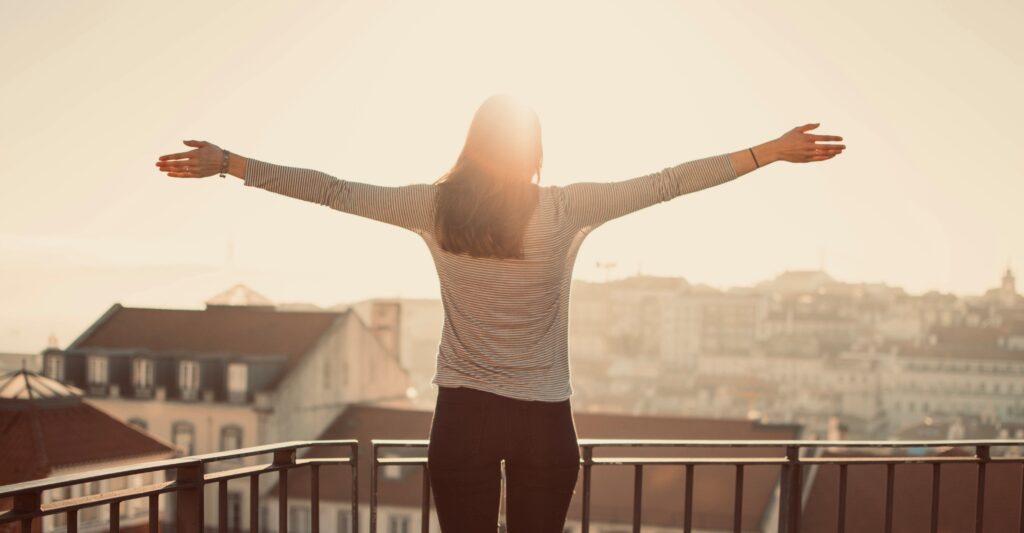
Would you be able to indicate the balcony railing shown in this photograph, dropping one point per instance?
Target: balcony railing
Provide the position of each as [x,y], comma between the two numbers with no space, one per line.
[789,495]
[190,477]
[192,474]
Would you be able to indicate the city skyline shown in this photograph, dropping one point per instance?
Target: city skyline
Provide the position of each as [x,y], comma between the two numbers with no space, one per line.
[192,291]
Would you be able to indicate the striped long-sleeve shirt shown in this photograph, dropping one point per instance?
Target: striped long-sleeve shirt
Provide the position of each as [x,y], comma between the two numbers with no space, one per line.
[506,321]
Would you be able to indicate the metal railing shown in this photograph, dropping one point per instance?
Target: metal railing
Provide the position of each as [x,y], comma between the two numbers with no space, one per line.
[789,488]
[190,477]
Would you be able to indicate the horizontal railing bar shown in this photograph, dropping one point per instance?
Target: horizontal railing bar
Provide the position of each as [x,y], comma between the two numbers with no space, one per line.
[794,443]
[166,464]
[690,443]
[683,461]
[402,461]
[247,471]
[270,448]
[325,461]
[762,461]
[93,500]
[899,460]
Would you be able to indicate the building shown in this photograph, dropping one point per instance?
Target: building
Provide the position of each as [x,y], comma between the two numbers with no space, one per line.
[228,376]
[10,362]
[411,328]
[47,429]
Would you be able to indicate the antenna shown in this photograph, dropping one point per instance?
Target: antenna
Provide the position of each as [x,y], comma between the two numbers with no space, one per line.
[606,266]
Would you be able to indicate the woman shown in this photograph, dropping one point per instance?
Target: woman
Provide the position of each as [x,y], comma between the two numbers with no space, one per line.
[504,249]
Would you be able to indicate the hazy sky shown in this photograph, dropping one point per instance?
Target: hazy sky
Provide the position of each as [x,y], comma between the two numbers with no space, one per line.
[928,194]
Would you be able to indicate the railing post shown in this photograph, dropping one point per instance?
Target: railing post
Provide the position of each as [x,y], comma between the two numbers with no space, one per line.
[588,463]
[27,502]
[890,494]
[737,512]
[790,499]
[115,517]
[638,489]
[796,500]
[373,489]
[254,503]
[841,526]
[314,504]
[284,459]
[784,496]
[425,513]
[984,456]
[688,504]
[355,486]
[189,496]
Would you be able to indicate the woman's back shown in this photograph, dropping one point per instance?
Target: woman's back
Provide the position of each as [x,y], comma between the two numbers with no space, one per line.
[506,320]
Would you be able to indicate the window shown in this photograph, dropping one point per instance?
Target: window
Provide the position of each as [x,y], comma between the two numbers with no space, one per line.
[97,369]
[238,381]
[54,367]
[344,521]
[142,373]
[298,519]
[138,423]
[398,523]
[188,379]
[183,435]
[234,511]
[230,438]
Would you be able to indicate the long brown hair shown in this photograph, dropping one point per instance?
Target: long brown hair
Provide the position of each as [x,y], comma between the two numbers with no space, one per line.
[486,199]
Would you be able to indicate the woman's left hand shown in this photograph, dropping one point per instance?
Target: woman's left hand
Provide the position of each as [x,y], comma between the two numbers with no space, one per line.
[798,146]
[204,161]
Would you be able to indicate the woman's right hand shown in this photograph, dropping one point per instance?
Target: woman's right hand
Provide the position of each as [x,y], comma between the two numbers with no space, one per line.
[204,161]
[798,146]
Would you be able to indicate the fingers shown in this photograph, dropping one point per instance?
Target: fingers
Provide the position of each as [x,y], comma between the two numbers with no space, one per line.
[814,137]
[179,155]
[178,165]
[815,146]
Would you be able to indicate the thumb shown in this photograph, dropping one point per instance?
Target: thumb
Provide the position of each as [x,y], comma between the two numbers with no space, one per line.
[196,144]
[806,127]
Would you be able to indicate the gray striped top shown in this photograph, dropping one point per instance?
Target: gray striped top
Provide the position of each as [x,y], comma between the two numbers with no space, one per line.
[506,321]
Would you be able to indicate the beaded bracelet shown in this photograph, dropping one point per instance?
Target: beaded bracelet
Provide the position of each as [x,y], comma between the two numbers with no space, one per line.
[224,163]
[755,157]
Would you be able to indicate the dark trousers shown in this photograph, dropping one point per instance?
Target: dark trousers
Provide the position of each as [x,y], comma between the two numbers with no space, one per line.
[472,431]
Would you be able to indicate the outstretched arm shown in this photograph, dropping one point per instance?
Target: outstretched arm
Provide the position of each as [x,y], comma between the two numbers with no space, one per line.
[587,205]
[408,206]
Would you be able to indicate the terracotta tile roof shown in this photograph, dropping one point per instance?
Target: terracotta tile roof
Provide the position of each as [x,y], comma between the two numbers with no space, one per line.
[865,507]
[41,434]
[215,330]
[612,485]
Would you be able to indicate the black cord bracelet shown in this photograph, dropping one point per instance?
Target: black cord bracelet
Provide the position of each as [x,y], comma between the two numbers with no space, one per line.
[755,157]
